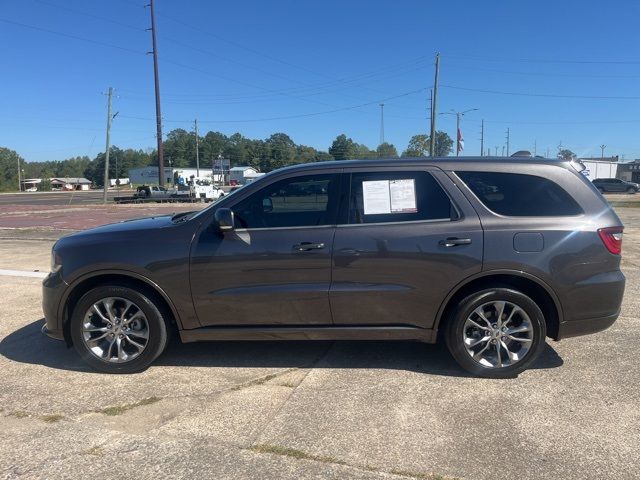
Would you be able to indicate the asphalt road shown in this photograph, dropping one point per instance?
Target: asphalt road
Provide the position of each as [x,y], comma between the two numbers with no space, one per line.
[59,198]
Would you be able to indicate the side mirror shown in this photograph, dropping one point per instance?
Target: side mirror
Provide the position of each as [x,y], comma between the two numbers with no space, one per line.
[224,218]
[267,205]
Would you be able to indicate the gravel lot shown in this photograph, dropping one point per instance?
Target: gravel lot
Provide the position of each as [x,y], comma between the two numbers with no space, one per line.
[342,410]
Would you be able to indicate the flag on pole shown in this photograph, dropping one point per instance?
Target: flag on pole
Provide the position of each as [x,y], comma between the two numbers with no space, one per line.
[460,141]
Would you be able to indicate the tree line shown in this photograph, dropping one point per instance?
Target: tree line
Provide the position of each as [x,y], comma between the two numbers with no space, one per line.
[277,151]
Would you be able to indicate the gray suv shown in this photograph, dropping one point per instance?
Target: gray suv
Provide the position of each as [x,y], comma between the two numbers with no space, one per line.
[615,185]
[490,255]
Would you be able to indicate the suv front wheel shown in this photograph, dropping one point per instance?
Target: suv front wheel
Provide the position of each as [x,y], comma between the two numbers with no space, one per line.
[496,333]
[116,329]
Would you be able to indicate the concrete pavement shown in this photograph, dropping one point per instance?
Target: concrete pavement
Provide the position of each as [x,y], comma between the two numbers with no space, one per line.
[331,410]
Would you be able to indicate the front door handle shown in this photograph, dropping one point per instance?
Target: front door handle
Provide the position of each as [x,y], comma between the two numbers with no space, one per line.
[306,246]
[454,242]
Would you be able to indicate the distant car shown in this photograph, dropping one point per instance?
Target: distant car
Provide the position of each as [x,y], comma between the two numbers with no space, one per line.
[31,189]
[615,185]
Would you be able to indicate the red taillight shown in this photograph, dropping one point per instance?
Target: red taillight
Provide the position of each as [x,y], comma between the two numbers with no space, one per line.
[612,238]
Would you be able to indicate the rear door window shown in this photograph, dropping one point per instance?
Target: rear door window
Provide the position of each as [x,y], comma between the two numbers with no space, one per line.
[519,195]
[403,196]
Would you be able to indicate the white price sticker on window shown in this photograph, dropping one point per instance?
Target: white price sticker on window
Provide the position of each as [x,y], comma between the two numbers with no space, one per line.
[376,197]
[403,196]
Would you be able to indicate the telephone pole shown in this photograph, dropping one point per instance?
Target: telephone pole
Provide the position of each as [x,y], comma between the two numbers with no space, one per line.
[106,154]
[19,181]
[535,147]
[602,147]
[157,88]
[197,151]
[381,123]
[482,138]
[508,138]
[434,107]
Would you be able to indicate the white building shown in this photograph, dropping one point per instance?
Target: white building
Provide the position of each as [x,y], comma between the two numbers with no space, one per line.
[606,167]
[118,181]
[149,175]
[66,183]
[242,175]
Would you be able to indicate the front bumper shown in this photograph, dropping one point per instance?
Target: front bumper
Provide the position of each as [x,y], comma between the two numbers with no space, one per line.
[53,287]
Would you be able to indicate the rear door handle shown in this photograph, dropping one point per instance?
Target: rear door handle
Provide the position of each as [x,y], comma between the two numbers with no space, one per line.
[306,246]
[454,242]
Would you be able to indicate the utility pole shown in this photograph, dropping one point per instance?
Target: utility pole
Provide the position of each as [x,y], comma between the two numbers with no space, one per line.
[106,154]
[488,151]
[197,151]
[458,135]
[434,107]
[157,88]
[602,147]
[503,150]
[482,138]
[430,115]
[381,123]
[535,147]
[508,142]
[19,181]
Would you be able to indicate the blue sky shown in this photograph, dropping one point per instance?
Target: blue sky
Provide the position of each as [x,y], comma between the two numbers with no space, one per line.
[259,67]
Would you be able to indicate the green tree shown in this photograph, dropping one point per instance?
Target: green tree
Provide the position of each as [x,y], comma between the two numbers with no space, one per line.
[213,144]
[418,146]
[180,148]
[9,169]
[566,154]
[120,162]
[342,148]
[386,150]
[282,151]
[362,151]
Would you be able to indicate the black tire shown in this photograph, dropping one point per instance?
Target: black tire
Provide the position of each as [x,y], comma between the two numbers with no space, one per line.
[158,330]
[631,190]
[456,322]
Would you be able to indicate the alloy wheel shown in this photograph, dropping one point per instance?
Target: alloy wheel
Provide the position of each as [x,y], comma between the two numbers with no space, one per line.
[115,330]
[497,334]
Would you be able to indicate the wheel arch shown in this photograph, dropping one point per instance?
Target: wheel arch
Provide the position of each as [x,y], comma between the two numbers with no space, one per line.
[530,285]
[83,284]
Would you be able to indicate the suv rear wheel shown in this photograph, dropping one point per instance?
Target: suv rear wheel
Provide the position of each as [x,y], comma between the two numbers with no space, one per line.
[496,333]
[116,329]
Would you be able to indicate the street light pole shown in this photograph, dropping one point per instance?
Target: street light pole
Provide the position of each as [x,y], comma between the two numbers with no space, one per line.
[458,115]
[602,147]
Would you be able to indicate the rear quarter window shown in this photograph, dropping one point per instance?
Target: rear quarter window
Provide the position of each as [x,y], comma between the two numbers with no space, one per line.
[520,195]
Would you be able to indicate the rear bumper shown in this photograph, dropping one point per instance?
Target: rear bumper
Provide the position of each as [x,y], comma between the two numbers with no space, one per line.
[575,328]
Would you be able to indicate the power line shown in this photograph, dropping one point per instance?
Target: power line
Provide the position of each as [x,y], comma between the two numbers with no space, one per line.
[67,35]
[534,60]
[90,15]
[286,117]
[549,95]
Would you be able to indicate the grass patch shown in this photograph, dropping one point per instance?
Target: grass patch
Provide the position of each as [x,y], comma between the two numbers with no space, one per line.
[258,381]
[52,418]
[287,384]
[625,204]
[95,451]
[418,475]
[292,452]
[20,414]
[120,409]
